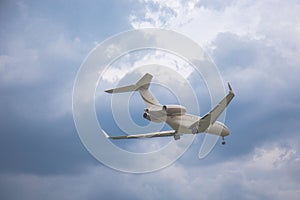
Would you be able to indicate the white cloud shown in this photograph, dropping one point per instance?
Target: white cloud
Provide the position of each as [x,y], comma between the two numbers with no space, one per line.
[136,59]
[277,157]
[202,22]
[257,26]
[269,171]
[262,174]
[197,21]
[255,43]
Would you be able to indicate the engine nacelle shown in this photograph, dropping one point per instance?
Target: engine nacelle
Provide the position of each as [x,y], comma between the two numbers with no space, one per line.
[172,110]
[160,114]
[146,116]
[218,128]
[155,115]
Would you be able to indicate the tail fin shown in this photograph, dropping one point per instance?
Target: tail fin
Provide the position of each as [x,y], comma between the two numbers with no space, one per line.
[142,86]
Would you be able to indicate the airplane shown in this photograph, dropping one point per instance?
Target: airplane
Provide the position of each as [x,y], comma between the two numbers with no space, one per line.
[175,115]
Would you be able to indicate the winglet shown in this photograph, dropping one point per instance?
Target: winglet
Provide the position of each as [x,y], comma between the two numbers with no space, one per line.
[106,135]
[230,88]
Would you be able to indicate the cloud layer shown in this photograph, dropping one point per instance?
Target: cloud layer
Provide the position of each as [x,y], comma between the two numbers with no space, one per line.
[255,45]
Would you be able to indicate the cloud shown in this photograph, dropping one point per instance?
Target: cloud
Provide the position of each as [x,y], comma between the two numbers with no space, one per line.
[22,68]
[204,20]
[41,51]
[251,45]
[39,57]
[256,47]
[266,172]
[253,65]
[146,57]
[196,20]
[41,146]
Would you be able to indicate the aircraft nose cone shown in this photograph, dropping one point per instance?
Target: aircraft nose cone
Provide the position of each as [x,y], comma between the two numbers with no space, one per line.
[225,131]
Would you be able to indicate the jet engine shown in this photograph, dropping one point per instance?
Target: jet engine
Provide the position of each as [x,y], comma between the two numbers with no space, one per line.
[155,115]
[173,110]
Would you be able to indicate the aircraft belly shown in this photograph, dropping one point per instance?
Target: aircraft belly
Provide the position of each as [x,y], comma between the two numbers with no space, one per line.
[182,123]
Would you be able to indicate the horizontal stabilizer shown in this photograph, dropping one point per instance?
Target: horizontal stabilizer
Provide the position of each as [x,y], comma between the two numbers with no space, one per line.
[143,83]
[128,88]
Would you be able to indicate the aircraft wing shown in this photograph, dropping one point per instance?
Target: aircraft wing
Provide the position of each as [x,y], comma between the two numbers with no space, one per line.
[146,135]
[219,108]
[212,115]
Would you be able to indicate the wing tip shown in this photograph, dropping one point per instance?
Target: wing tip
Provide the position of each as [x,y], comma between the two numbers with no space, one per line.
[109,91]
[230,88]
[106,135]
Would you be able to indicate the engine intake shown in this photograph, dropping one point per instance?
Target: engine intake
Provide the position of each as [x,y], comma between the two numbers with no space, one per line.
[146,116]
[155,115]
[174,109]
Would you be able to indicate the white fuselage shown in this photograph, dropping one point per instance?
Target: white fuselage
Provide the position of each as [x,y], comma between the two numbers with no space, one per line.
[175,116]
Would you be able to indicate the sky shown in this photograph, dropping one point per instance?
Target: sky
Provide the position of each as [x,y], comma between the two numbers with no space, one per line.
[254,44]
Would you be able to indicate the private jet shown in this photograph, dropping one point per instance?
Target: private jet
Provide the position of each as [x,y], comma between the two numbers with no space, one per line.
[175,115]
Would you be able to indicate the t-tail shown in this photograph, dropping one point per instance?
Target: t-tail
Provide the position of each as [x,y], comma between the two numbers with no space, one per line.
[142,86]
